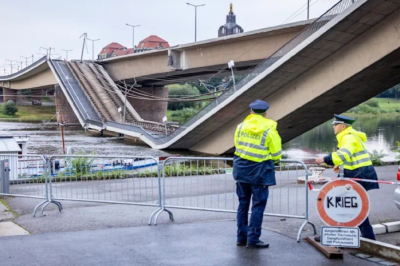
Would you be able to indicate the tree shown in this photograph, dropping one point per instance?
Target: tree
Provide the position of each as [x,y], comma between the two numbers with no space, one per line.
[180,91]
[9,108]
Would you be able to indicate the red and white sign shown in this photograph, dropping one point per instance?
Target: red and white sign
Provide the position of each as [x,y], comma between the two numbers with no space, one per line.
[343,203]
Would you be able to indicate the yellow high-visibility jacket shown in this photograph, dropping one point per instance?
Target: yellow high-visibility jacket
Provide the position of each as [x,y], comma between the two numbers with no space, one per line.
[351,153]
[257,140]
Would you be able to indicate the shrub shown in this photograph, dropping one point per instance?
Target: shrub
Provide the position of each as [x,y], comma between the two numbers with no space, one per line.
[372,102]
[398,150]
[179,91]
[376,157]
[81,165]
[398,110]
[9,108]
[182,115]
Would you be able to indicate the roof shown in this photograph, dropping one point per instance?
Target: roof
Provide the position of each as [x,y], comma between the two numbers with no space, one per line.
[122,52]
[152,42]
[112,47]
[8,144]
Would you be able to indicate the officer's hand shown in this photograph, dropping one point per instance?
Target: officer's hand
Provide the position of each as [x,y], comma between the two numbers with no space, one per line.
[319,160]
[336,169]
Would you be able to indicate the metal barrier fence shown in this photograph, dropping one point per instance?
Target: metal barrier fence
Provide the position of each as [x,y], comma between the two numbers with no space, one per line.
[26,176]
[106,179]
[193,183]
[207,184]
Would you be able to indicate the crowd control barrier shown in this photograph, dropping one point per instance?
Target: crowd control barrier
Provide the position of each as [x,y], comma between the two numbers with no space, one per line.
[193,183]
[207,184]
[133,180]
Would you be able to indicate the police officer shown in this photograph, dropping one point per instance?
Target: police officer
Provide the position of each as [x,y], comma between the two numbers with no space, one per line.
[258,145]
[355,159]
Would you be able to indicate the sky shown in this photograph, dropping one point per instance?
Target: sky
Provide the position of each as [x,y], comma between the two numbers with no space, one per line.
[27,25]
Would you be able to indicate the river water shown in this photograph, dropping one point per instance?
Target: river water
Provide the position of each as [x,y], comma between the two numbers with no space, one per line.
[382,132]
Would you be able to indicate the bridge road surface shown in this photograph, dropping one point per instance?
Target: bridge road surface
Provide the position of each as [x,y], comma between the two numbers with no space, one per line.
[212,243]
[75,91]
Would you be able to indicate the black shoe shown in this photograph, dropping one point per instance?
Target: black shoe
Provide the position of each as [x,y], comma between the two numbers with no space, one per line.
[317,239]
[258,245]
[241,243]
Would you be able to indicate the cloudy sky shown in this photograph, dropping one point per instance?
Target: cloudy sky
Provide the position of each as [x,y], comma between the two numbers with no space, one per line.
[27,25]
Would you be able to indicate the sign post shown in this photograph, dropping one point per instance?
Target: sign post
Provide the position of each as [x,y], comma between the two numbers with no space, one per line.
[342,205]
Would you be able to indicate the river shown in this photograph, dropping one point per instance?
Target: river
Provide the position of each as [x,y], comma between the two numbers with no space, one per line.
[382,132]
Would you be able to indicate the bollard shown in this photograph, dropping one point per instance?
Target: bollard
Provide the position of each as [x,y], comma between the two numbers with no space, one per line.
[5,176]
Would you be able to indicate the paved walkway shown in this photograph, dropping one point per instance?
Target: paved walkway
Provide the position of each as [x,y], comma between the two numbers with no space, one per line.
[184,244]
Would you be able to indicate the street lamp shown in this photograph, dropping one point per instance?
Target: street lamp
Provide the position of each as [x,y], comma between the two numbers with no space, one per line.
[133,34]
[93,46]
[11,64]
[26,60]
[66,52]
[195,19]
[308,9]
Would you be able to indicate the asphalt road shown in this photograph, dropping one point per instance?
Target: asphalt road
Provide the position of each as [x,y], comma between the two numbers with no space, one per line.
[82,225]
[186,244]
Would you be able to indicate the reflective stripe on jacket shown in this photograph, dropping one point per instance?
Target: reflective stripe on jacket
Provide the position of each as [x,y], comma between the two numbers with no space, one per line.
[351,153]
[257,140]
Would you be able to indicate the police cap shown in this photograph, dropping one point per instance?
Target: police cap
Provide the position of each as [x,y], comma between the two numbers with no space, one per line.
[341,119]
[259,106]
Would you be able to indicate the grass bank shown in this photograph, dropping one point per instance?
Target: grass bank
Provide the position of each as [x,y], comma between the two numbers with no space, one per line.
[376,106]
[34,113]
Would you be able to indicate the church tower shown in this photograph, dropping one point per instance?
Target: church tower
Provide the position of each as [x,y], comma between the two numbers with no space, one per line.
[230,26]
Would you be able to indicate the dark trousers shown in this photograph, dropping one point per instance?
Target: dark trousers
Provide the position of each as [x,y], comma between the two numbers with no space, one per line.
[259,195]
[366,230]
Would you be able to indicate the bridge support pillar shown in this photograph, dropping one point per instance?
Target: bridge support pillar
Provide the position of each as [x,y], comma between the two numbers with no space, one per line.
[9,94]
[63,107]
[151,110]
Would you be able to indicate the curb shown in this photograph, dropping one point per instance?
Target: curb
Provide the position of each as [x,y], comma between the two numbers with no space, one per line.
[385,228]
[381,249]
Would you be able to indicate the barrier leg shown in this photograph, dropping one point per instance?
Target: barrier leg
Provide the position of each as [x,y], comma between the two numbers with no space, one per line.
[152,215]
[302,227]
[171,216]
[44,206]
[36,208]
[59,205]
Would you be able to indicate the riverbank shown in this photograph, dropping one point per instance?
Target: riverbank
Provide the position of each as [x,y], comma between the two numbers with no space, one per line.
[376,106]
[33,113]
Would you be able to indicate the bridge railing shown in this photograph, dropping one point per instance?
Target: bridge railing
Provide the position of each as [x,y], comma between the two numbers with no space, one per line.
[285,49]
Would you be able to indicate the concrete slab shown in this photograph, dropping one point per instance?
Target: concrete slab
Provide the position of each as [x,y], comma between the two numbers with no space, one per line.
[11,229]
[5,213]
[381,249]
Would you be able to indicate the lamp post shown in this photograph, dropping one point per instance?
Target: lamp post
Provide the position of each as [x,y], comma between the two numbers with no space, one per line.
[195,19]
[308,9]
[93,46]
[66,53]
[48,51]
[133,34]
[26,60]
[11,65]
